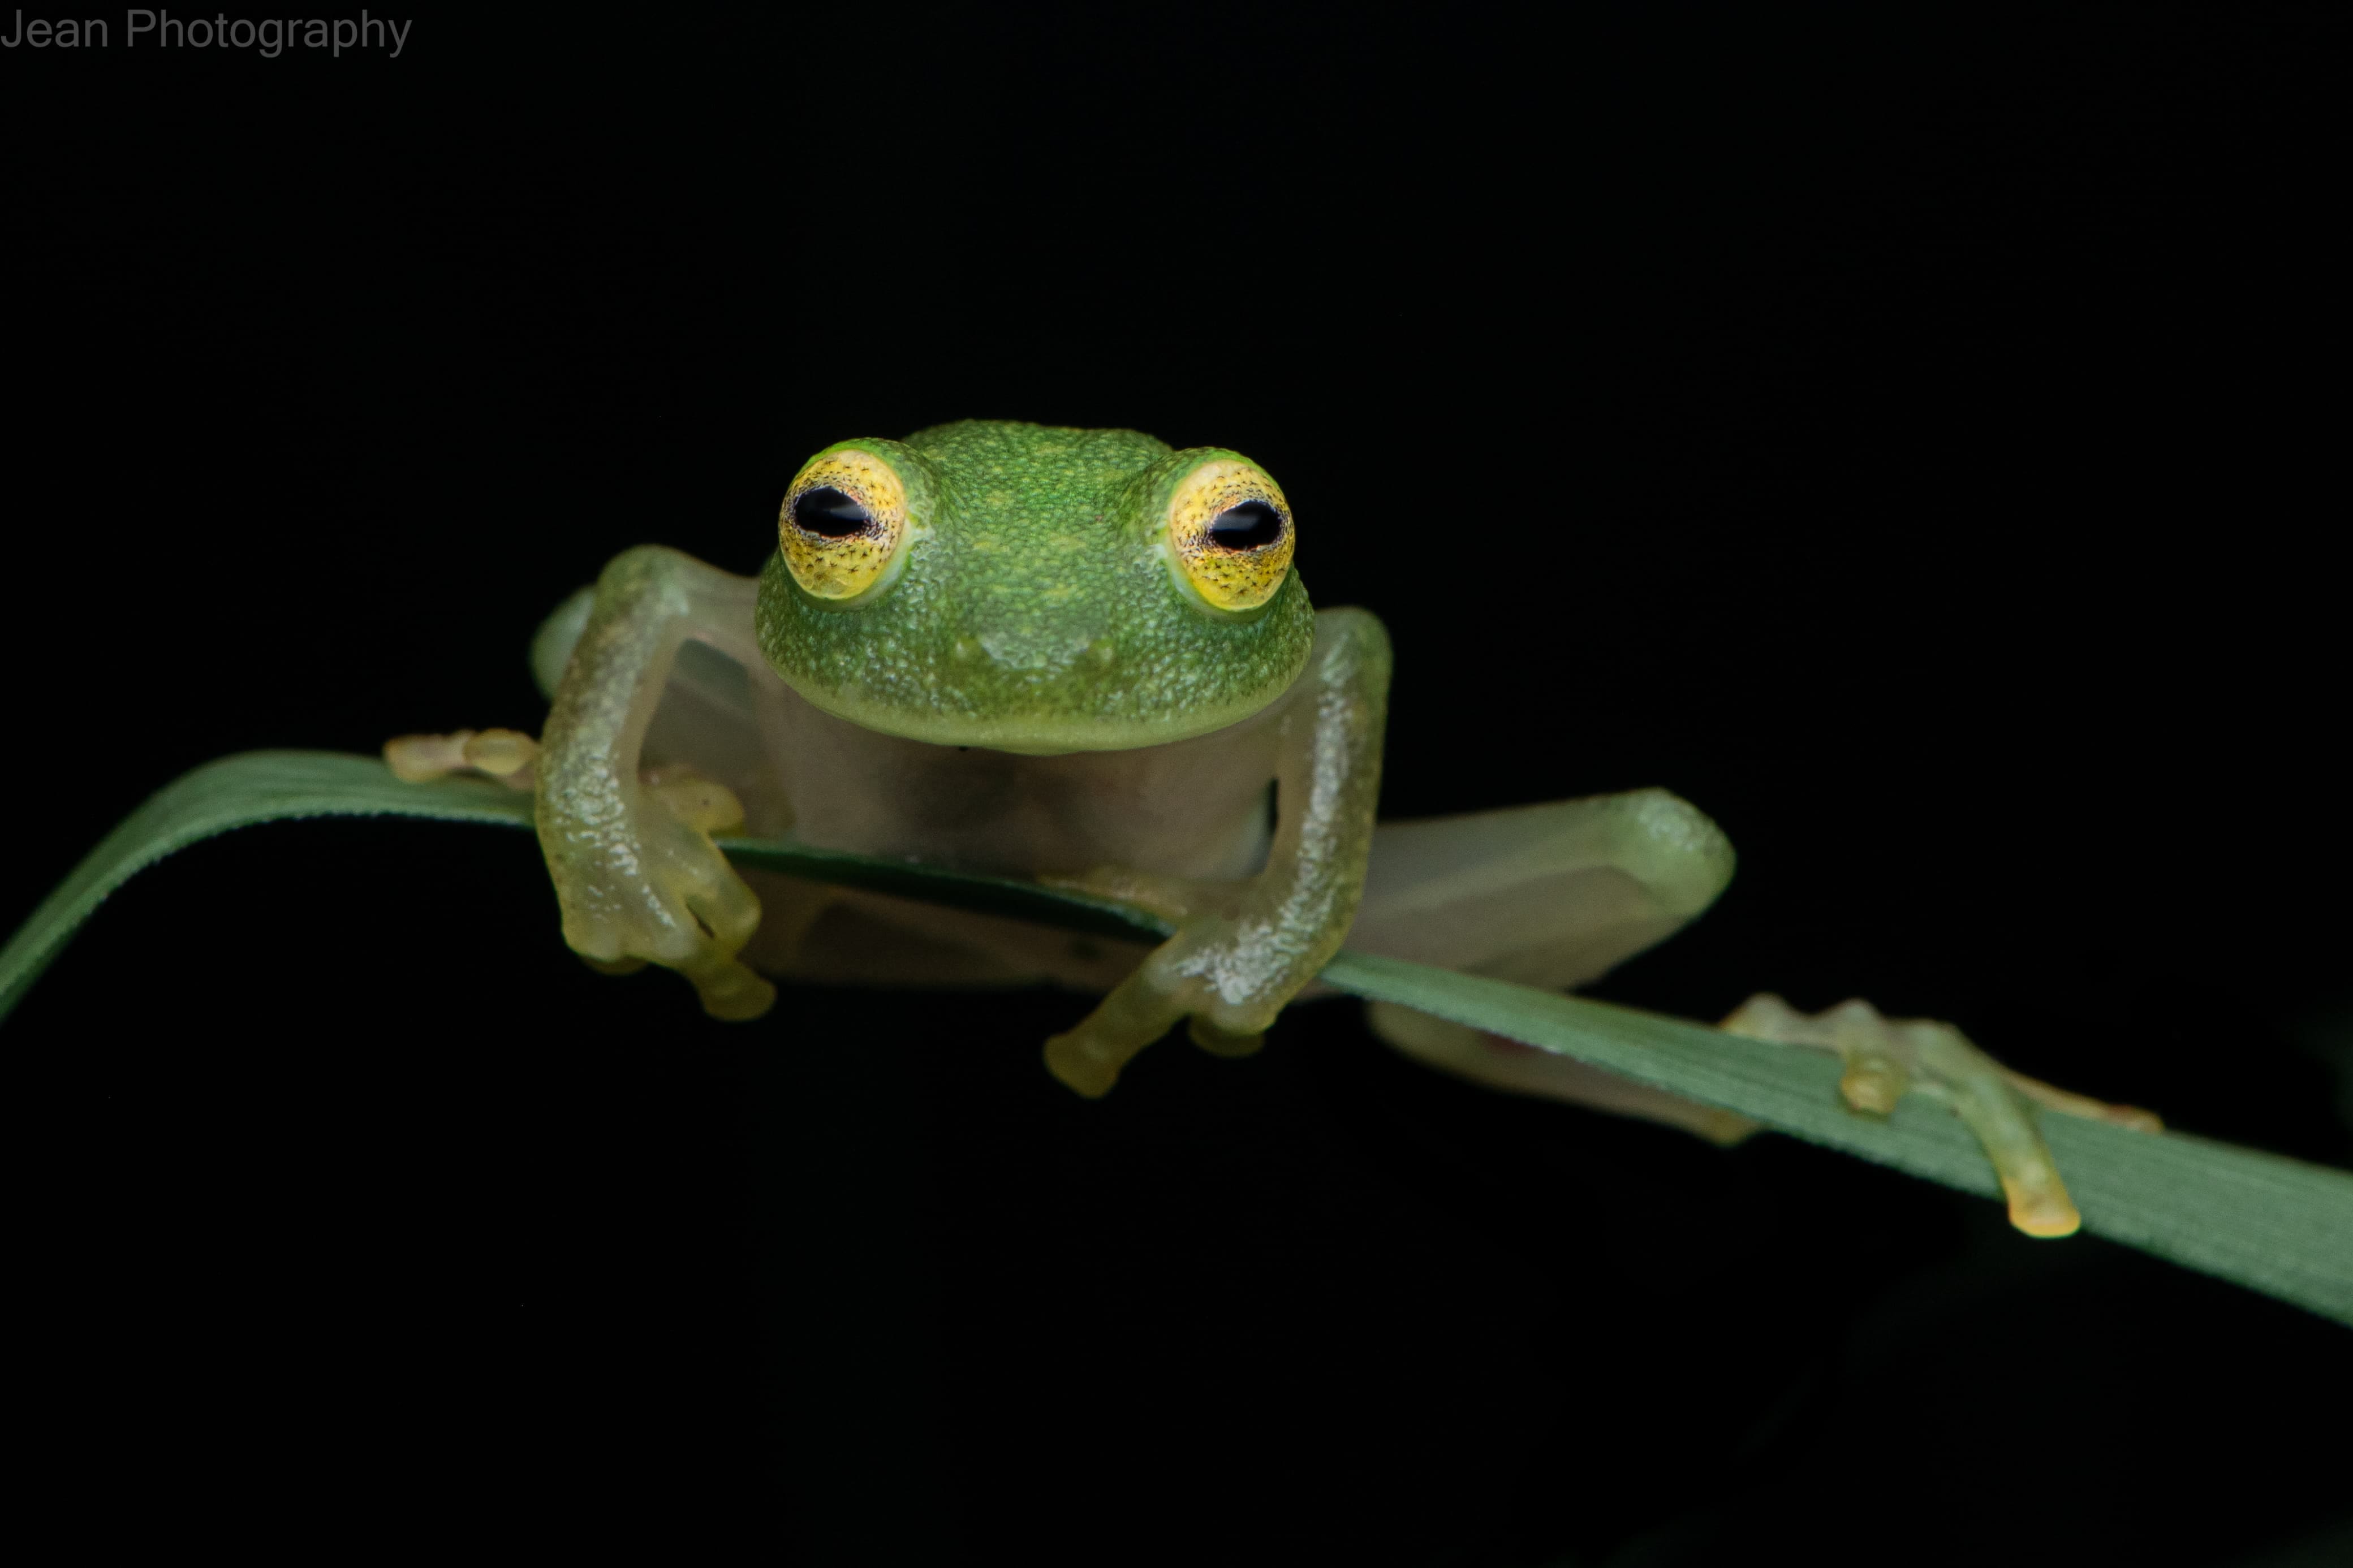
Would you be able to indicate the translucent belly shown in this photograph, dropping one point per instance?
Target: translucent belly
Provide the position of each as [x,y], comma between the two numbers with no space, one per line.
[1196,809]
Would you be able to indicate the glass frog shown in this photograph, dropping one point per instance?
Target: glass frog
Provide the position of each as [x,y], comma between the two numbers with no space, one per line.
[1079,657]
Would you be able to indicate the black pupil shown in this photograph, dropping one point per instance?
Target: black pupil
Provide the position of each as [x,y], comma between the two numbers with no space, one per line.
[827,512]
[1248,526]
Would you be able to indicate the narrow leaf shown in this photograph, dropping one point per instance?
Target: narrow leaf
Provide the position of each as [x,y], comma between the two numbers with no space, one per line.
[2283,1227]
[2276,1225]
[238,792]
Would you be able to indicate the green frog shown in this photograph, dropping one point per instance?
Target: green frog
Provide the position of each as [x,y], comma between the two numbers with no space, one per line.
[1082,658]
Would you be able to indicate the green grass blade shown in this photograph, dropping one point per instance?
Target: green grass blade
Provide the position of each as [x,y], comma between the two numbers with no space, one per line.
[238,792]
[2275,1224]
[2283,1227]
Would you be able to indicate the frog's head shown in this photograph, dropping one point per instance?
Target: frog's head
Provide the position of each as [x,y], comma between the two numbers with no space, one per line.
[1034,589]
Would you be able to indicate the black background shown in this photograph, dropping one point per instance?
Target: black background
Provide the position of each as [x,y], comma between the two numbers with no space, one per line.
[1919,443]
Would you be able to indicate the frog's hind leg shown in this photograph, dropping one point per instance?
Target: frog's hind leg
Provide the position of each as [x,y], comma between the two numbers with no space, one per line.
[1550,896]
[1885,1058]
[1553,896]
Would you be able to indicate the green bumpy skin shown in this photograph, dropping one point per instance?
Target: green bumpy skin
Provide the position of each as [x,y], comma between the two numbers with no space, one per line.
[1035,612]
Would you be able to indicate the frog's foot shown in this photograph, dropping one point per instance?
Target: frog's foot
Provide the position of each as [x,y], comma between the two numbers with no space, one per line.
[1883,1058]
[1088,1058]
[660,891]
[1182,979]
[506,756]
[720,911]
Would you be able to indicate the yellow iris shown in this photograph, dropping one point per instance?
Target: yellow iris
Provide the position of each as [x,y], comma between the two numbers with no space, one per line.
[843,522]
[1230,531]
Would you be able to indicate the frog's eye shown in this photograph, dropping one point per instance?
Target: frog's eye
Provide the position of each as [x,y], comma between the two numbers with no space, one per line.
[844,527]
[1229,535]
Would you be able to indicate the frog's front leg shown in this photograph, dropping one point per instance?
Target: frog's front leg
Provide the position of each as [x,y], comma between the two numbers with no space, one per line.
[639,878]
[1238,957]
